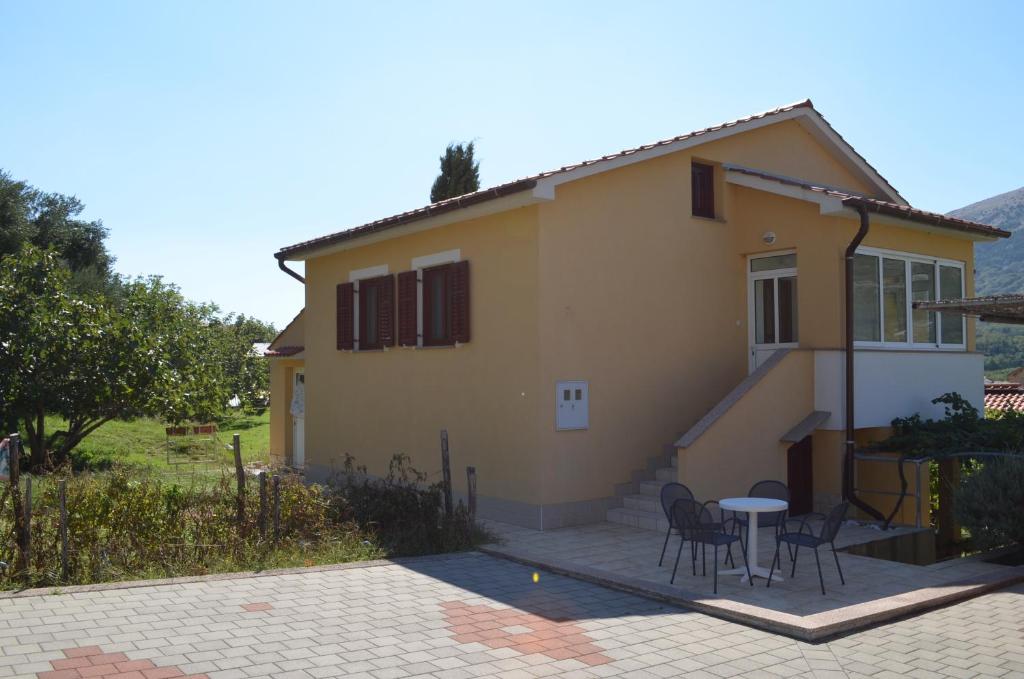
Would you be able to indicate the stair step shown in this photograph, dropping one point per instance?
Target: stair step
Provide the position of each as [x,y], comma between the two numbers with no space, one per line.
[667,474]
[635,518]
[647,503]
[650,487]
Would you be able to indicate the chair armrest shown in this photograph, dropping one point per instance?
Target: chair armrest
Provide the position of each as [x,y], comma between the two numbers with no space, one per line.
[803,521]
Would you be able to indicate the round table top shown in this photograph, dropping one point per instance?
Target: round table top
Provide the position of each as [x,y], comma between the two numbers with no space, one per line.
[753,505]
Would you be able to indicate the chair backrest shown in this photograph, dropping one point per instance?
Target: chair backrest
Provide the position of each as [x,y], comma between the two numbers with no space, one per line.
[691,517]
[775,490]
[834,520]
[671,492]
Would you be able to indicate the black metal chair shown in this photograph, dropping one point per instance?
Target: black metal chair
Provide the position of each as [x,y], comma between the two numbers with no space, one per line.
[801,538]
[776,490]
[699,526]
[671,492]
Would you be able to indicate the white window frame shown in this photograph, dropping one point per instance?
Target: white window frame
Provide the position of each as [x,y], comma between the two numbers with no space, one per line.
[354,277]
[761,275]
[418,265]
[907,258]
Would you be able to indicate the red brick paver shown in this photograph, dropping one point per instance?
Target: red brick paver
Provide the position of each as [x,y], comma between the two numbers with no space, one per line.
[257,606]
[559,638]
[85,662]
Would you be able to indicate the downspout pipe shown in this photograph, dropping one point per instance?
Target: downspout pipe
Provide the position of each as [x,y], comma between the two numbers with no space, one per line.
[281,265]
[849,494]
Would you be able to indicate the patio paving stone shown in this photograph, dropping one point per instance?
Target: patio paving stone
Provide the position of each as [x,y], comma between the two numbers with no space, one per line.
[405,619]
[876,590]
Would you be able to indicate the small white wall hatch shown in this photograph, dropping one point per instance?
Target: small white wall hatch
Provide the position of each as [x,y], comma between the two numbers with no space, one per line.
[572,405]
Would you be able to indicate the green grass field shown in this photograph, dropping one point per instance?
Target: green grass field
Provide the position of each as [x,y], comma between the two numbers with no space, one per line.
[143,443]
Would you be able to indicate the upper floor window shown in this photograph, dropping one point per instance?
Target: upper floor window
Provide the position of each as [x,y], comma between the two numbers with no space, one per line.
[885,286]
[366,314]
[702,179]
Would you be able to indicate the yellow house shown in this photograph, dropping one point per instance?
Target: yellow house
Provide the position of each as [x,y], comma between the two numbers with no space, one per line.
[669,312]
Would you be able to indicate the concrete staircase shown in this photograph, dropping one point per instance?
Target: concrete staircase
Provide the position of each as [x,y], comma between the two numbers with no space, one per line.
[641,501]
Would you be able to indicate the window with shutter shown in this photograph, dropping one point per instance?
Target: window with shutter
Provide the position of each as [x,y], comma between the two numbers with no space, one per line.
[376,313]
[437,320]
[460,301]
[446,304]
[702,184]
[408,300]
[345,316]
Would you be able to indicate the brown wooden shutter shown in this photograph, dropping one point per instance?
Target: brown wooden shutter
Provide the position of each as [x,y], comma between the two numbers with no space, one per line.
[386,312]
[460,301]
[407,299]
[346,316]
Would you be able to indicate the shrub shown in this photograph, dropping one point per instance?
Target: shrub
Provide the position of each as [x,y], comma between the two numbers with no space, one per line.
[990,503]
[402,511]
[126,525]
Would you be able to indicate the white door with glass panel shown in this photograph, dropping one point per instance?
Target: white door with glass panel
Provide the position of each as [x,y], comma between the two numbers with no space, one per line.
[298,413]
[772,305]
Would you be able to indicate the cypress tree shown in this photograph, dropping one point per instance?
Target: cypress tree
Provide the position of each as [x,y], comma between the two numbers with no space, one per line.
[460,173]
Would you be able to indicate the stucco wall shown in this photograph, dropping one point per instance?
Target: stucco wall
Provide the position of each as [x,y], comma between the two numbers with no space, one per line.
[377,403]
[742,446]
[282,371]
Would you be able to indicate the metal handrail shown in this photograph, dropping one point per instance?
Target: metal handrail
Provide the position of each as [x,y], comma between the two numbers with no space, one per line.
[916,461]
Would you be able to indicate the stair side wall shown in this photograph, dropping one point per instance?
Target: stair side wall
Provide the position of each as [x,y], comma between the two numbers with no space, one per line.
[742,446]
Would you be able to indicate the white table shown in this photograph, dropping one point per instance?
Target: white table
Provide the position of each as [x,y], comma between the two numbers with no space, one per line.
[752,506]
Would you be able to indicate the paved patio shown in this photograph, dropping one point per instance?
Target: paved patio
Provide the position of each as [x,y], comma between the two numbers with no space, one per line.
[875,590]
[460,617]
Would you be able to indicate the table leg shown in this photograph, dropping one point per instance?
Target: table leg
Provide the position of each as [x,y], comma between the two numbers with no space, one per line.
[755,569]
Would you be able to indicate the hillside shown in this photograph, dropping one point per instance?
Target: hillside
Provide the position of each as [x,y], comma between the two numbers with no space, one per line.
[999,265]
[999,268]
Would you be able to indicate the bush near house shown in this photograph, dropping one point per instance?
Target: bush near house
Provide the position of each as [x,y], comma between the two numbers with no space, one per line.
[127,524]
[989,501]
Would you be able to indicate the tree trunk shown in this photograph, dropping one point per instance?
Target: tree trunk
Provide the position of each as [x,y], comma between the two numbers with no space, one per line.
[37,440]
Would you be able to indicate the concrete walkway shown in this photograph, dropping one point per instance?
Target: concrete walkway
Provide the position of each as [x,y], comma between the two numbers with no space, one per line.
[459,617]
[875,590]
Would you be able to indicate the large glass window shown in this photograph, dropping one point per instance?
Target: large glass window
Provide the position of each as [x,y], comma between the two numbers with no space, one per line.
[894,299]
[951,284]
[885,286]
[867,315]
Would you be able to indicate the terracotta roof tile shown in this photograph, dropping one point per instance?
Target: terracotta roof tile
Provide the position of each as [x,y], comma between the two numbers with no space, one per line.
[530,182]
[516,186]
[1004,396]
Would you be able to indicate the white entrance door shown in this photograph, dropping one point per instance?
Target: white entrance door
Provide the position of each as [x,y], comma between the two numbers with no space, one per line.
[298,411]
[772,305]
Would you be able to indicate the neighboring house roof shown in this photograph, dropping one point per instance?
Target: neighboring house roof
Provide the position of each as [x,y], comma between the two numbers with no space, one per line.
[1004,396]
[993,308]
[543,184]
[259,348]
[283,351]
[874,205]
[278,347]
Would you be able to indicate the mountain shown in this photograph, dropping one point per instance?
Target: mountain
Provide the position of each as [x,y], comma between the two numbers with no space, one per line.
[999,265]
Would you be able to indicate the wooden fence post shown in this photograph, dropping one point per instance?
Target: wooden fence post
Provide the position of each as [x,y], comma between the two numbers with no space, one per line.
[14,450]
[471,491]
[277,508]
[28,521]
[446,471]
[262,518]
[62,491]
[236,444]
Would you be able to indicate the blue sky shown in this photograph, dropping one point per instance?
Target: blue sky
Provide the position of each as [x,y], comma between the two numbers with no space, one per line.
[207,135]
